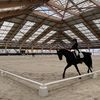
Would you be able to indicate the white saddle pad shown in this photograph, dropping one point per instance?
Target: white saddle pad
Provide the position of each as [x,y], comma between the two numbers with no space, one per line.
[81,55]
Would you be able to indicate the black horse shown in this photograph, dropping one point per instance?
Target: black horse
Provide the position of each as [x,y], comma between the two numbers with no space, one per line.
[72,60]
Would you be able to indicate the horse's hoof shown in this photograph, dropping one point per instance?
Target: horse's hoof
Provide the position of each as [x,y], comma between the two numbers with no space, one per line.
[63,77]
[80,78]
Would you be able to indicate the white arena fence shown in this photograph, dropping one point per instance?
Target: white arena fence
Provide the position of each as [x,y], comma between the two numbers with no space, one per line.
[25,81]
[44,89]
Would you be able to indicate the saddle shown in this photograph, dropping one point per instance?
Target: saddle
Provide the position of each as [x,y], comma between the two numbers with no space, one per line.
[79,56]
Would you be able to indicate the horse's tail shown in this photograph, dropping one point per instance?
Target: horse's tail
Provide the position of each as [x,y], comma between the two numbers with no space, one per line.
[91,61]
[91,64]
[87,55]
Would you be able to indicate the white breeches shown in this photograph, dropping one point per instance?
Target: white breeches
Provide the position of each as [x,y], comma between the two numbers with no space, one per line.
[79,53]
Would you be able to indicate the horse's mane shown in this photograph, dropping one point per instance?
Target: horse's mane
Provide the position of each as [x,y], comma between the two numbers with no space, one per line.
[64,50]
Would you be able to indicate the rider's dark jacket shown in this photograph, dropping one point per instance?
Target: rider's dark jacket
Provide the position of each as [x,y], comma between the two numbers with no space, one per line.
[75,46]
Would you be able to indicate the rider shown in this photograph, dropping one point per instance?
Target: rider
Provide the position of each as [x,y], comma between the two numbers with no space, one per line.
[75,47]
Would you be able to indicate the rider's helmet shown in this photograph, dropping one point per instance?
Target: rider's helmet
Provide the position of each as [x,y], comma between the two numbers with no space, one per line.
[74,40]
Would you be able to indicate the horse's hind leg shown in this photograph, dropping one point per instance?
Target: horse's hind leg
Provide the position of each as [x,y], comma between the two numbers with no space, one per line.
[89,69]
[88,63]
[65,70]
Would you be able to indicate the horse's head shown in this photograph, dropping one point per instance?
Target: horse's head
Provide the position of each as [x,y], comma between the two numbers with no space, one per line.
[59,53]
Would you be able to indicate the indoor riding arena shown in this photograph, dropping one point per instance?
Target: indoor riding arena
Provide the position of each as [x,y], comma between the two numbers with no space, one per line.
[32,34]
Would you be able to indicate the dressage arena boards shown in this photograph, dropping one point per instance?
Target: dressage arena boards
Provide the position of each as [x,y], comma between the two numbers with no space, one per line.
[45,70]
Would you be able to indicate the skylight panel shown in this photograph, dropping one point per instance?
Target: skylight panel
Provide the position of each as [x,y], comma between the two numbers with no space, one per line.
[57,2]
[24,30]
[97,22]
[66,41]
[47,10]
[38,32]
[81,27]
[78,1]
[47,36]
[5,28]
[98,0]
[51,41]
[72,35]
[63,2]
[60,2]
[67,15]
[54,8]
[87,5]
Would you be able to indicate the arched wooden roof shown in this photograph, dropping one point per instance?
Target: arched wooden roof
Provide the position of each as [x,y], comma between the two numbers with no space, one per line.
[49,23]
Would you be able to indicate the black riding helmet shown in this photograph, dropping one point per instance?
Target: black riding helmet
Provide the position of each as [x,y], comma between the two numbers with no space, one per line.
[74,40]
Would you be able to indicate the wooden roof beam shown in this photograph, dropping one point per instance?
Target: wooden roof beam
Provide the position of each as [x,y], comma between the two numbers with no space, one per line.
[54,10]
[13,46]
[7,15]
[45,15]
[51,3]
[75,5]
[66,36]
[12,4]
[27,5]
[24,3]
[58,44]
[96,28]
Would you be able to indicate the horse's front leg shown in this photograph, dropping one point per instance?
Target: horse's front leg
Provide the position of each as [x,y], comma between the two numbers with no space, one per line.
[88,71]
[65,70]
